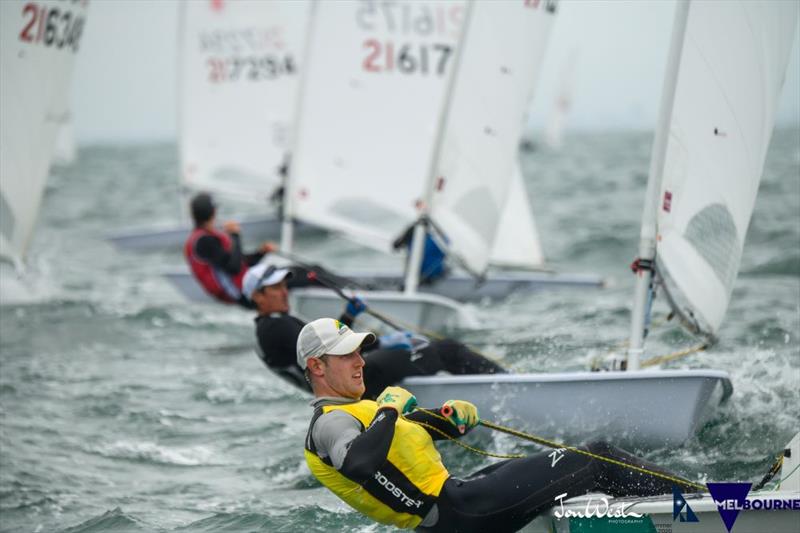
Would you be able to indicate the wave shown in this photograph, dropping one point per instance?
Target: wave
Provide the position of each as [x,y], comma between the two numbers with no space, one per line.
[114,520]
[150,452]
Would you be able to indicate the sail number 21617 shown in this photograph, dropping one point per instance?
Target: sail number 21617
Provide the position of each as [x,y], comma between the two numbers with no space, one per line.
[406,58]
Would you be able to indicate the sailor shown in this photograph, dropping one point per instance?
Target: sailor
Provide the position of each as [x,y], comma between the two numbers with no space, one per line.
[379,458]
[434,258]
[215,257]
[392,358]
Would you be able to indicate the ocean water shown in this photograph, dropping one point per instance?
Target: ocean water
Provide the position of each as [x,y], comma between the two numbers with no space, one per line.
[125,408]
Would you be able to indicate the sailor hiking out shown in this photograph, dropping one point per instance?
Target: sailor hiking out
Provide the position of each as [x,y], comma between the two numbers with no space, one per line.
[380,458]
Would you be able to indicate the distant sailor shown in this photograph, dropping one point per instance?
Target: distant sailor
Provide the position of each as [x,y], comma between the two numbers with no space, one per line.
[377,457]
[392,358]
[434,258]
[215,257]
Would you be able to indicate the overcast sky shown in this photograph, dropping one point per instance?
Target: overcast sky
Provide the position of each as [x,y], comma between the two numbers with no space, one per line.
[125,77]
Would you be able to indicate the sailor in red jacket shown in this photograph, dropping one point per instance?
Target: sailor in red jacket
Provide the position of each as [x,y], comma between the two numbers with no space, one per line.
[215,257]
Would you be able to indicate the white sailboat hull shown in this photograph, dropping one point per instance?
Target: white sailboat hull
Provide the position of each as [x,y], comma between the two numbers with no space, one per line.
[418,312]
[642,409]
[163,238]
[457,287]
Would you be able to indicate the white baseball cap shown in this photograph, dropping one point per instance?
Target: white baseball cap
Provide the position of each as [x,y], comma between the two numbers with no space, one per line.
[262,275]
[326,336]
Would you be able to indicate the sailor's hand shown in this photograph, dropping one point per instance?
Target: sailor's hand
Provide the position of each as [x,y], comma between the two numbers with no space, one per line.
[398,399]
[355,306]
[399,340]
[267,247]
[462,414]
[231,226]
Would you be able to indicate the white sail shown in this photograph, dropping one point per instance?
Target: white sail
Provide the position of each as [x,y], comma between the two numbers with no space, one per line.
[371,99]
[517,243]
[500,63]
[65,151]
[731,73]
[554,132]
[39,42]
[239,62]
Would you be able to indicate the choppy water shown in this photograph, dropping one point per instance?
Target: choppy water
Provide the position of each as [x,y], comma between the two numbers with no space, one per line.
[123,408]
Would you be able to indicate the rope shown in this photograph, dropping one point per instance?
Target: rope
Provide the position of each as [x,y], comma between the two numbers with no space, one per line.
[774,469]
[673,356]
[555,445]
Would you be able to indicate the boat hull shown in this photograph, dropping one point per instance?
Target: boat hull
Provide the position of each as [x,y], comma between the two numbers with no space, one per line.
[640,410]
[173,237]
[417,312]
[461,288]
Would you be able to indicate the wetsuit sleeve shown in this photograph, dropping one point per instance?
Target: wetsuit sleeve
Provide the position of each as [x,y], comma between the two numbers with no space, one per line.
[253,258]
[355,453]
[277,340]
[209,248]
[431,417]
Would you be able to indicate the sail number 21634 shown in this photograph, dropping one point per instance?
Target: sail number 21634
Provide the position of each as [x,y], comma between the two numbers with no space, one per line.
[51,26]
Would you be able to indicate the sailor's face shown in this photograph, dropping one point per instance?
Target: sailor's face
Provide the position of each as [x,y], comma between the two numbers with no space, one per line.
[344,374]
[274,298]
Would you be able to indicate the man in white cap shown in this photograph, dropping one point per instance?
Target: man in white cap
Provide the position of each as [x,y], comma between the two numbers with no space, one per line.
[380,458]
[387,362]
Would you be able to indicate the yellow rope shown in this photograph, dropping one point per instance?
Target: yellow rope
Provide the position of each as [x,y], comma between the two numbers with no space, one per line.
[552,444]
[673,356]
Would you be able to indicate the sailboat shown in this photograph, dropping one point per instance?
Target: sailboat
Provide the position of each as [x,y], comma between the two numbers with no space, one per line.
[238,71]
[390,114]
[517,243]
[725,72]
[36,63]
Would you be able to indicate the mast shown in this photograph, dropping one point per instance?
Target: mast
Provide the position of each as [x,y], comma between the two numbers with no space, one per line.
[287,211]
[418,239]
[647,236]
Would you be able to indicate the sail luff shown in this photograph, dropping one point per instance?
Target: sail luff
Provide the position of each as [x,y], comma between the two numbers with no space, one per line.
[31,110]
[417,244]
[287,206]
[647,235]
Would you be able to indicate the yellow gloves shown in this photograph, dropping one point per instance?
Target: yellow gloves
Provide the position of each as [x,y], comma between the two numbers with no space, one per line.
[398,399]
[461,414]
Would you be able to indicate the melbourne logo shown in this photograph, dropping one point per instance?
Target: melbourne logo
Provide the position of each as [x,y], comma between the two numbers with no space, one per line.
[679,503]
[730,498]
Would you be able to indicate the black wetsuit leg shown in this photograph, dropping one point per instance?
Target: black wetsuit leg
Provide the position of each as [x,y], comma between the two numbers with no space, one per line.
[456,358]
[384,368]
[507,495]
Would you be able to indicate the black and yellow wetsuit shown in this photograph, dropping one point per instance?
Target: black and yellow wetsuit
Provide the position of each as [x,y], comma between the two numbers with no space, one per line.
[388,468]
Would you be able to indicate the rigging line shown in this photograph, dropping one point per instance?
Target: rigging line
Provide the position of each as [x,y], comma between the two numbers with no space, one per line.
[556,445]
[774,469]
[657,360]
[787,476]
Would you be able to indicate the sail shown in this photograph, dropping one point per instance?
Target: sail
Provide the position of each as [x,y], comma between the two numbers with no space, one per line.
[239,62]
[37,52]
[730,77]
[65,151]
[501,60]
[371,100]
[517,243]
